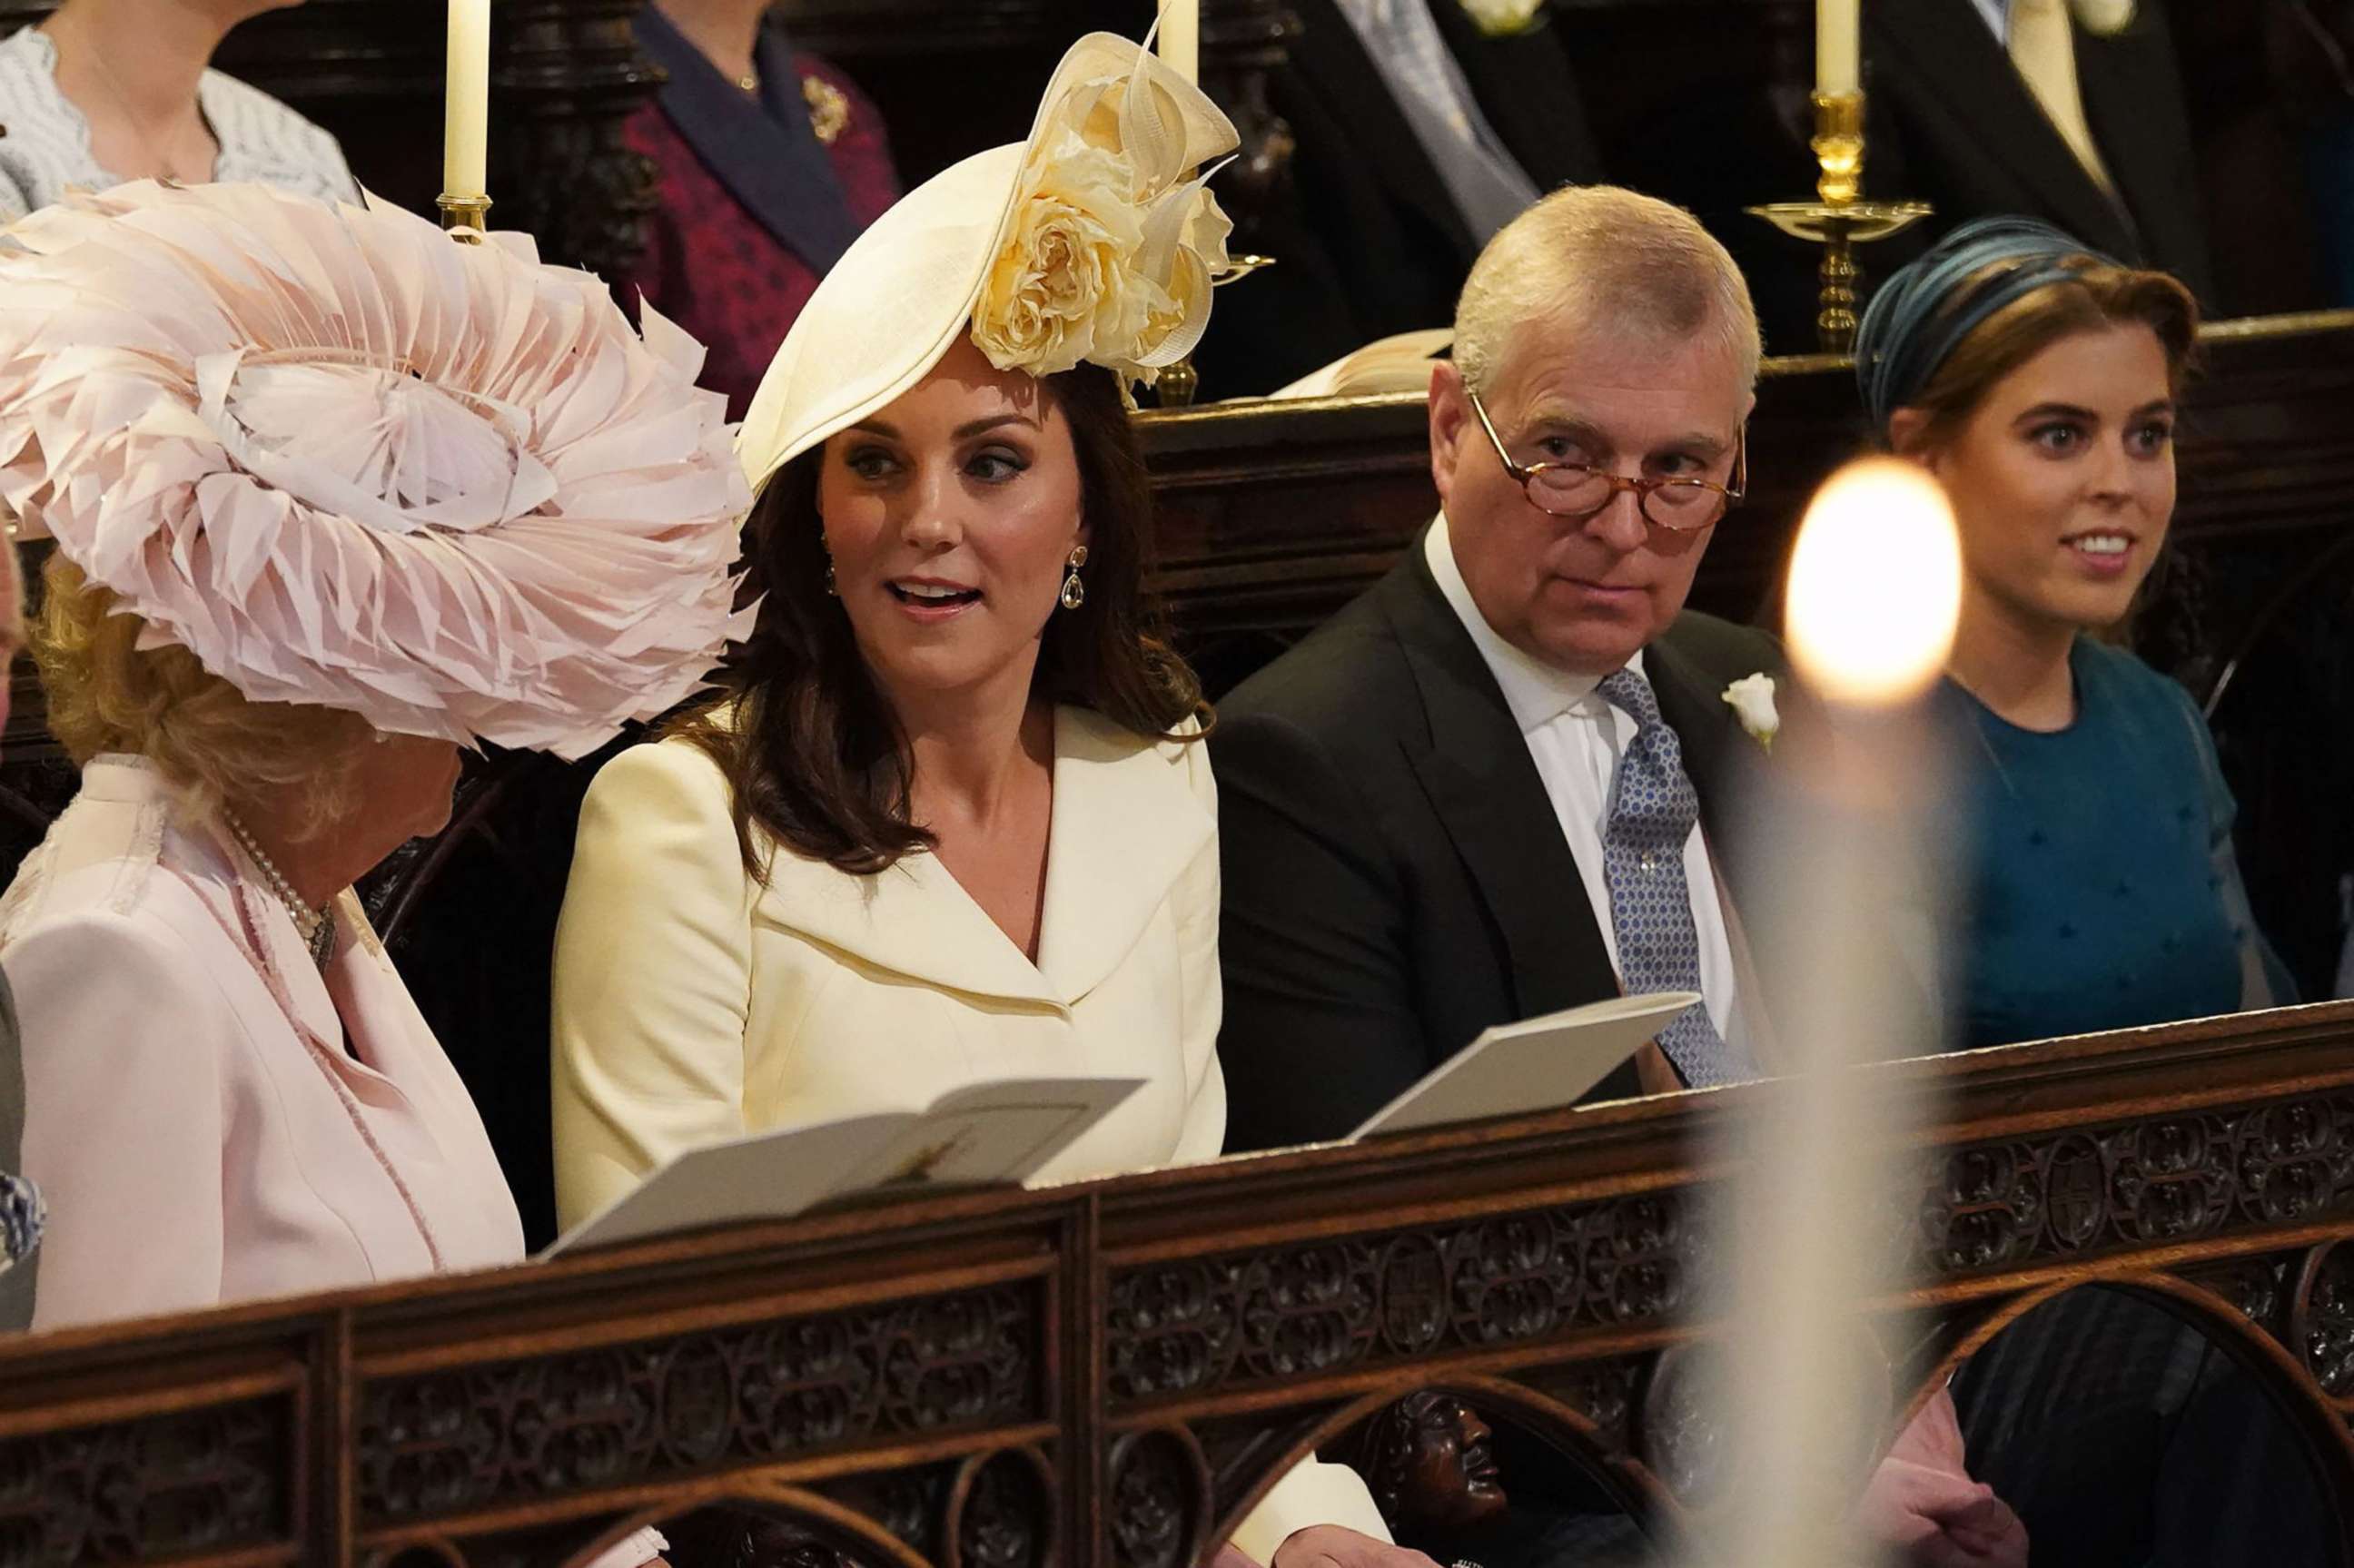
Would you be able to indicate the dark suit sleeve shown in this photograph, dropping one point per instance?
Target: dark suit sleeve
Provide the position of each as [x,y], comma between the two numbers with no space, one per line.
[1321,1027]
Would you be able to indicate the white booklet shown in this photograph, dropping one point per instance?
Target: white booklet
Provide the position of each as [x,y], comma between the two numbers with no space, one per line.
[1536,1064]
[1400,363]
[994,1132]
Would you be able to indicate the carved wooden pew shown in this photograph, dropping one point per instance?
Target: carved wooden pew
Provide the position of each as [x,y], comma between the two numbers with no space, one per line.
[1112,1373]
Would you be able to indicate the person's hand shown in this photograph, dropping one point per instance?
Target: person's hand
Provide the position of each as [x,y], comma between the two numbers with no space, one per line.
[1933,1519]
[1230,1557]
[1331,1546]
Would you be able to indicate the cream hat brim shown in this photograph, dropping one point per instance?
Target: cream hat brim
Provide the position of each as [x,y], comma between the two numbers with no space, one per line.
[905,292]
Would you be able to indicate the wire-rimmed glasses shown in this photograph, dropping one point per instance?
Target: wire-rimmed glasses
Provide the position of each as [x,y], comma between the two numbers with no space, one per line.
[1578,491]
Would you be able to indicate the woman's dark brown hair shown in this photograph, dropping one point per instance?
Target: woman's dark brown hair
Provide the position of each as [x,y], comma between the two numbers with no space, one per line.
[814,756]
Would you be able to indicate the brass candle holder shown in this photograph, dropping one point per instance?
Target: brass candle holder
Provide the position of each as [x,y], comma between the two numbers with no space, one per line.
[1840,219]
[1178,384]
[465,216]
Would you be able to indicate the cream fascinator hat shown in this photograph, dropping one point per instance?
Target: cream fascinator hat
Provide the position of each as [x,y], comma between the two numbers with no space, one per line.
[346,461]
[1096,241]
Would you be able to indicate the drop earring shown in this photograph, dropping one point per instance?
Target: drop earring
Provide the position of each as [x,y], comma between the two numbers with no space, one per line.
[832,591]
[1074,592]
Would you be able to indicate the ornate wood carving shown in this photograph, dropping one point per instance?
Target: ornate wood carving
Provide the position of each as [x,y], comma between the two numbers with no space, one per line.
[211,1478]
[2146,1183]
[1241,1319]
[1159,1498]
[956,1379]
[464,1438]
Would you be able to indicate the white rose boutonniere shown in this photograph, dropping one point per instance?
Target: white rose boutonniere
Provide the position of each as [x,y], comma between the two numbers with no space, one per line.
[1505,18]
[1751,701]
[2105,19]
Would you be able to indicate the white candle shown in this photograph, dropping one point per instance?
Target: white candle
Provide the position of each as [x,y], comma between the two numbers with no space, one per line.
[1181,37]
[1839,47]
[1850,894]
[466,113]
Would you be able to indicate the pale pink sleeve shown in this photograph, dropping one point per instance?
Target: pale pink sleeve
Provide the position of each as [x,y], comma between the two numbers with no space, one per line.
[124,1037]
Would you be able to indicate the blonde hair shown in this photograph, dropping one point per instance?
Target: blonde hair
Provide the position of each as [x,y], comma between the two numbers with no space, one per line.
[106,693]
[1607,259]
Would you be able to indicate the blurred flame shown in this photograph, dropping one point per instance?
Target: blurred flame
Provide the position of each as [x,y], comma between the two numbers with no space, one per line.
[1875,584]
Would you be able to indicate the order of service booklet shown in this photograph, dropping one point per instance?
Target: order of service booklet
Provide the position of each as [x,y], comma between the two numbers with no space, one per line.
[1537,1064]
[1003,1131]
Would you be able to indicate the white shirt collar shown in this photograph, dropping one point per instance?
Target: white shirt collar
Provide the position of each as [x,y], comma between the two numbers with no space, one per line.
[1535,691]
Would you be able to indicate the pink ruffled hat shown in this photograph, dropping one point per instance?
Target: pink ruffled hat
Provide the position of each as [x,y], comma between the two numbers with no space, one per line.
[346,461]
[1094,241]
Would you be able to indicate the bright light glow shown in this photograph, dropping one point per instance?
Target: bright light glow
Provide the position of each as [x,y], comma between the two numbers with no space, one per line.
[1876,584]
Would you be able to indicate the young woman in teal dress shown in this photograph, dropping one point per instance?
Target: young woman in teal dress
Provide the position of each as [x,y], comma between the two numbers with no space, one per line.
[2038,382]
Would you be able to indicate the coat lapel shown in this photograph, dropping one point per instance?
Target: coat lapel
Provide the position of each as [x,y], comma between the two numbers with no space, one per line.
[1126,826]
[1947,57]
[1484,787]
[2148,144]
[764,153]
[1527,90]
[1330,54]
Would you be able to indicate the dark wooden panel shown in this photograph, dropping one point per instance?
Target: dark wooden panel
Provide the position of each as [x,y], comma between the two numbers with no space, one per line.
[1146,1352]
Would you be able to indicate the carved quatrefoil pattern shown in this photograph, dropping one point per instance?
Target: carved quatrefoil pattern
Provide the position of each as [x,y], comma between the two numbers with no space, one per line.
[449,1441]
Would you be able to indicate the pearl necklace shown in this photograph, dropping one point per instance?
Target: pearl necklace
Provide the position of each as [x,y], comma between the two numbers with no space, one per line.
[315,926]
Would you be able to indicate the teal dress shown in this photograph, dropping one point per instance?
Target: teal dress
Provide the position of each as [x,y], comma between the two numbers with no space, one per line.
[2098,888]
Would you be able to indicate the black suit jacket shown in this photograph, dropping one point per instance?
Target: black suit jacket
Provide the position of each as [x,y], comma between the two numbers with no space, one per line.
[1366,237]
[1396,879]
[1956,126]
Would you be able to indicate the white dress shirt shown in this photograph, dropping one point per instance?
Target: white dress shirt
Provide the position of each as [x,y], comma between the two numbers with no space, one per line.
[1576,738]
[1997,16]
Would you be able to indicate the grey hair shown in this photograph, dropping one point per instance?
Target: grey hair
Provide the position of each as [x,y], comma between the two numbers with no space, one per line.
[1603,256]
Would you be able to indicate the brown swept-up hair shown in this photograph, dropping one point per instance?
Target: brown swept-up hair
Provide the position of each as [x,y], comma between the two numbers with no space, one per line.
[814,756]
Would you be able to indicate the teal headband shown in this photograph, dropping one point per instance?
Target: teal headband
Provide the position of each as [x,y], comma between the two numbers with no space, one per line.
[1925,311]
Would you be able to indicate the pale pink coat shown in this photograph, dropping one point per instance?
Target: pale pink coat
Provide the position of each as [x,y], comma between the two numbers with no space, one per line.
[193,1118]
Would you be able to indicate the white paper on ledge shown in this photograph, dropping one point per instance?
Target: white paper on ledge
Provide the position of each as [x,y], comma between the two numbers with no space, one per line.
[1537,1064]
[1001,1131]
[1399,363]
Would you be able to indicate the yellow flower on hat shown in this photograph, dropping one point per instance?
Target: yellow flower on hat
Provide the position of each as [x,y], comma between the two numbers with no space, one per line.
[1112,249]
[1094,240]
[1060,289]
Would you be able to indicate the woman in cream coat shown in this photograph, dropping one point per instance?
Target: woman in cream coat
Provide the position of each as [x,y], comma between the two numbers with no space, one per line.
[952,821]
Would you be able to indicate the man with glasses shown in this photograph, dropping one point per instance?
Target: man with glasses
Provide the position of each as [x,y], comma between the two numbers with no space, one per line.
[1499,783]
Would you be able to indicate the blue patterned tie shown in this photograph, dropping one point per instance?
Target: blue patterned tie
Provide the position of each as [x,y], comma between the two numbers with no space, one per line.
[1653,811]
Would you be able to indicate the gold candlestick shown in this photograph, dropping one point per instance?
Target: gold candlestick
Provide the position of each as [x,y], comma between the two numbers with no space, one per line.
[1840,220]
[465,216]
